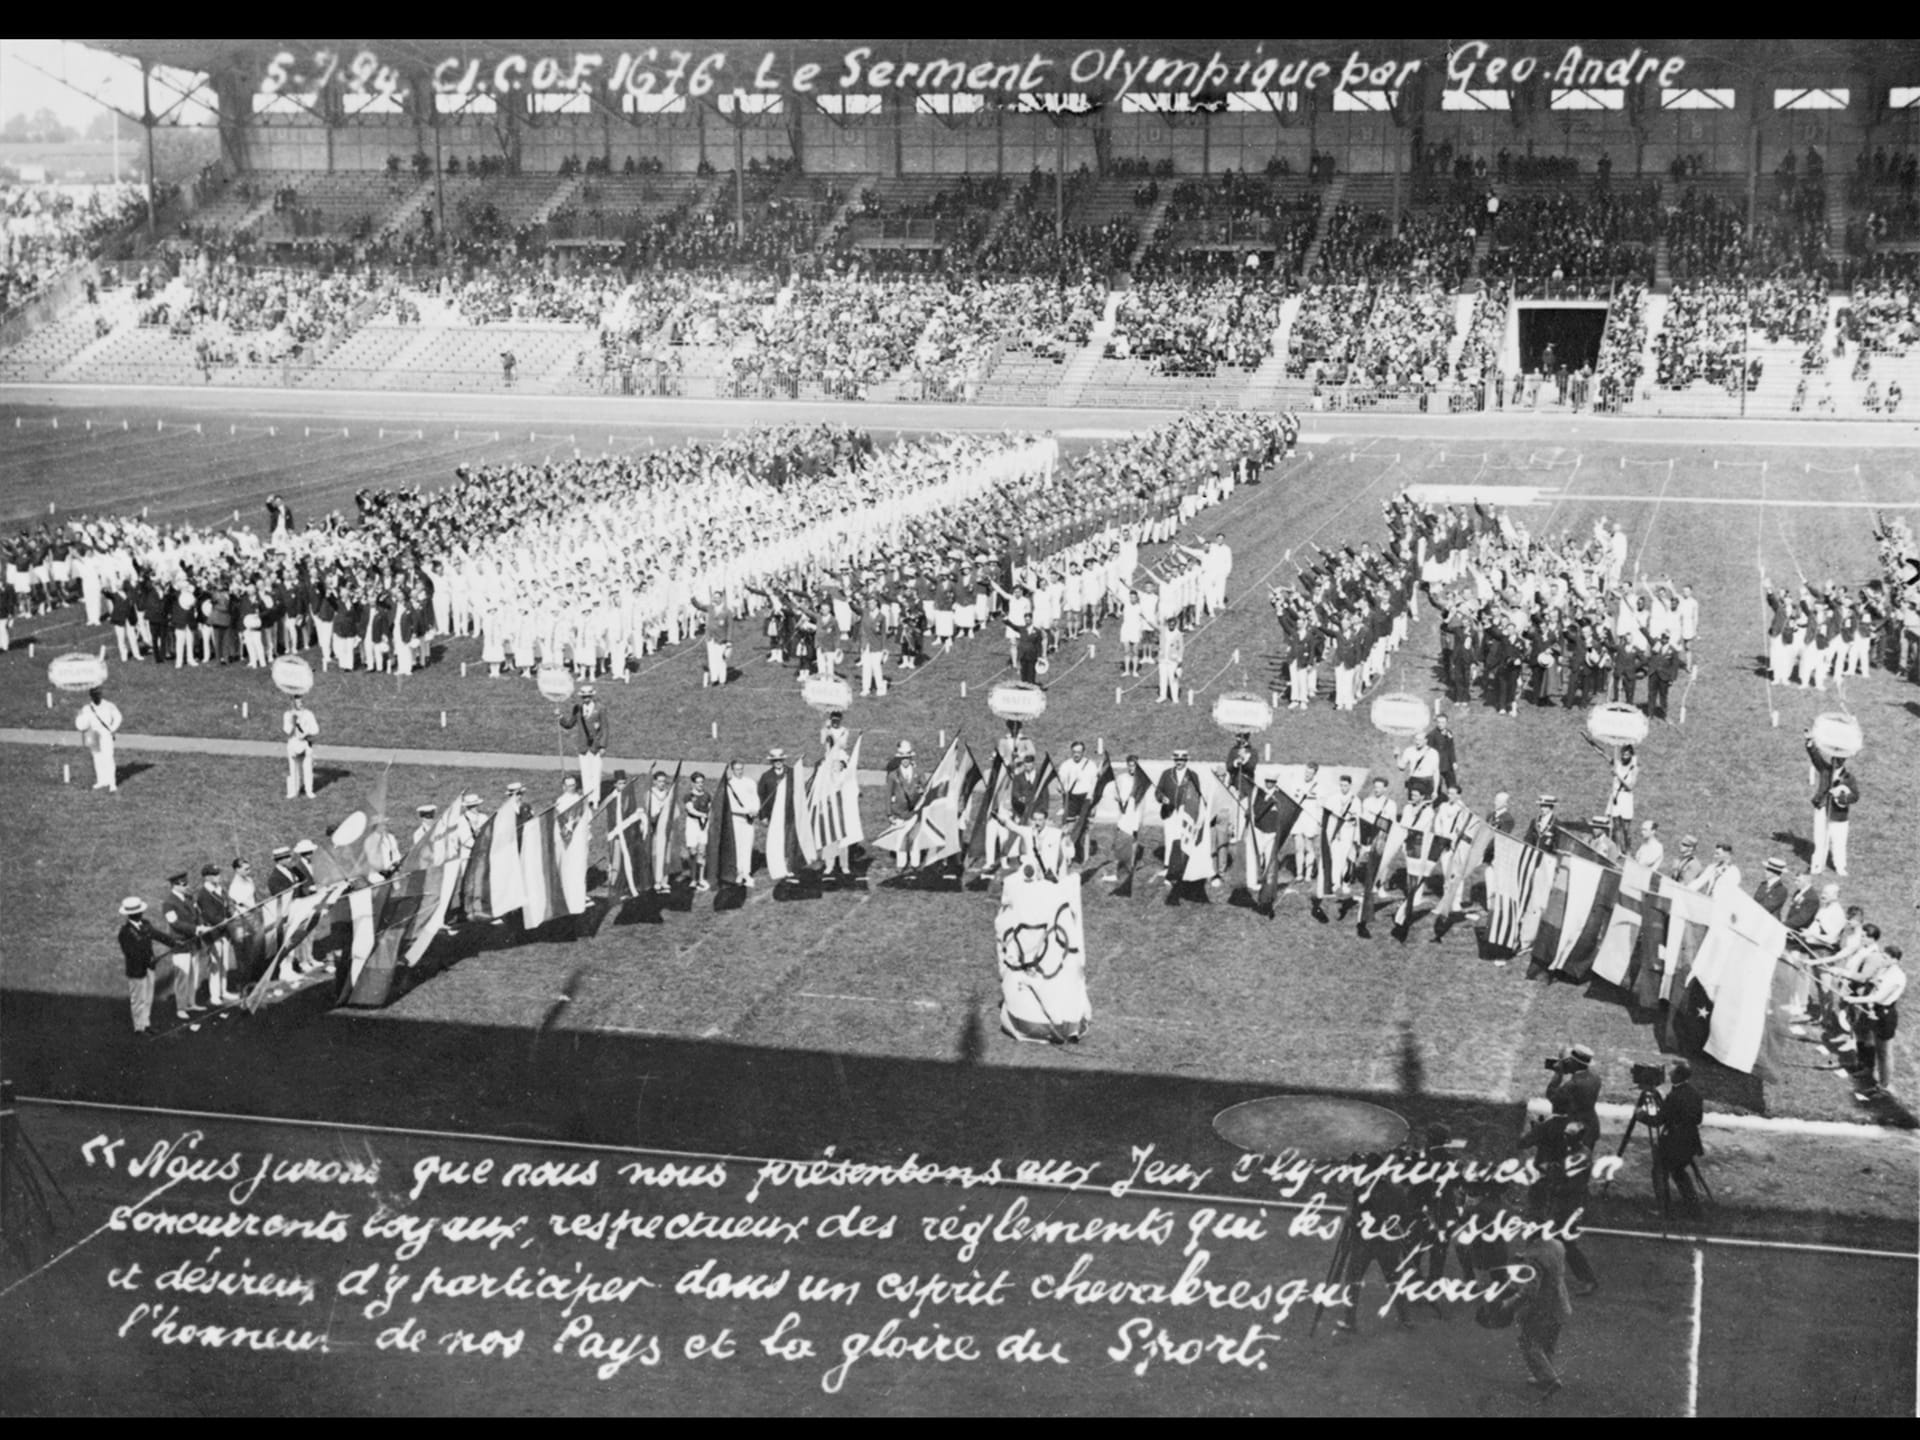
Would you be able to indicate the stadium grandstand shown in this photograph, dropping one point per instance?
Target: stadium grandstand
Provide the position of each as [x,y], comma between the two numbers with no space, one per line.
[1705,228]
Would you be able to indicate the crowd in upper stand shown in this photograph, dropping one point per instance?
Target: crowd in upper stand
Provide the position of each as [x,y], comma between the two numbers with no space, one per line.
[1431,247]
[980,270]
[45,229]
[1565,243]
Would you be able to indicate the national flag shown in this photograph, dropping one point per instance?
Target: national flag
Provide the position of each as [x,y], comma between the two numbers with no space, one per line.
[438,844]
[1731,985]
[1647,978]
[1337,826]
[1519,882]
[304,915]
[573,833]
[1627,624]
[833,799]
[790,845]
[1102,782]
[980,807]
[476,879]
[1288,816]
[442,886]
[506,882]
[1688,915]
[1613,960]
[406,907]
[1044,777]
[1576,917]
[627,872]
[667,841]
[725,865]
[540,870]
[254,934]
[1462,859]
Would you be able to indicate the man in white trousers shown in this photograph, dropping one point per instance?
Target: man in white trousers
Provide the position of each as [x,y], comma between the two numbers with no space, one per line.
[98,722]
[299,725]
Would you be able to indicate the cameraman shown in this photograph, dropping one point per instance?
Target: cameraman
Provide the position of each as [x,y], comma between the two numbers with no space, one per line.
[1564,1144]
[1575,1083]
[1676,1141]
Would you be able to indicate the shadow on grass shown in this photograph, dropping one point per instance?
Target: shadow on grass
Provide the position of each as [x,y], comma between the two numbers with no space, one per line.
[304,1061]
[1802,848]
[124,773]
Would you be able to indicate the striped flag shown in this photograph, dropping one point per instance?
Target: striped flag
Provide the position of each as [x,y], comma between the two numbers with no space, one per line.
[1519,881]
[1463,858]
[540,870]
[833,799]
[1587,893]
[303,917]
[979,808]
[1613,961]
[573,832]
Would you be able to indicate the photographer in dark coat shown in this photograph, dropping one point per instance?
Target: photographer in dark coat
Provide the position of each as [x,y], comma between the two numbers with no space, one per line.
[1678,1143]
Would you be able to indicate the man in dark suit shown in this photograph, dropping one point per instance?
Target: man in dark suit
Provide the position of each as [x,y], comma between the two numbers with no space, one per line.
[1678,1143]
[1544,829]
[1771,893]
[139,942]
[590,718]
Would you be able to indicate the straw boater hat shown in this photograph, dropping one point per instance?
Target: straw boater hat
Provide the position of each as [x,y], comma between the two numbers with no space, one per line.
[776,753]
[904,750]
[133,905]
[304,847]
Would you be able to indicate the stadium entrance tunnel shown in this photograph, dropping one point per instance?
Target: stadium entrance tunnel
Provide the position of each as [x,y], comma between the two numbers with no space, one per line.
[1572,330]
[1324,1127]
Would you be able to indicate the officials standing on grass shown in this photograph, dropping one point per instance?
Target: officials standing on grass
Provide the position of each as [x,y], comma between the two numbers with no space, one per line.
[98,722]
[139,947]
[300,725]
[589,717]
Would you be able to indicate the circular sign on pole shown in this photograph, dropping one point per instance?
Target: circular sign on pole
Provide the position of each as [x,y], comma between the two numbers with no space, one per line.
[555,682]
[826,695]
[292,675]
[77,671]
[1401,715]
[350,829]
[1836,736]
[1241,712]
[1617,724]
[1017,700]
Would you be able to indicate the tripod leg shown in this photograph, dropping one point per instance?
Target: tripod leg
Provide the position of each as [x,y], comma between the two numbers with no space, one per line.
[33,1153]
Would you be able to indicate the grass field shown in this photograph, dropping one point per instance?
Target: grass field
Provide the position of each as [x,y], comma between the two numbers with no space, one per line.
[864,1018]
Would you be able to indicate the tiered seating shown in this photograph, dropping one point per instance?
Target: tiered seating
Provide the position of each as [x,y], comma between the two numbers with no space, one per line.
[1559,242]
[1197,327]
[222,214]
[916,212]
[1091,248]
[364,354]
[54,345]
[1623,346]
[470,359]
[342,203]
[1480,356]
[1021,378]
[1243,211]
[1323,333]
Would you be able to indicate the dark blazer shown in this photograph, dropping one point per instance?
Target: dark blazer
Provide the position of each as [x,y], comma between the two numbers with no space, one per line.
[1680,1115]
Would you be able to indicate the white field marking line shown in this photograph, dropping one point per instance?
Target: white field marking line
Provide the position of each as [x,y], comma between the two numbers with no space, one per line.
[1693,1344]
[868,999]
[433,402]
[1748,500]
[90,1236]
[1640,554]
[1188,1197]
